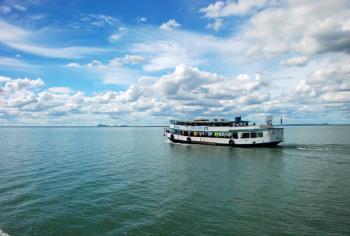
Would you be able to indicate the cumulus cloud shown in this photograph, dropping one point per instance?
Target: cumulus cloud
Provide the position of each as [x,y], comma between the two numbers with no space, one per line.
[4,79]
[329,84]
[22,84]
[60,90]
[187,91]
[309,27]
[169,25]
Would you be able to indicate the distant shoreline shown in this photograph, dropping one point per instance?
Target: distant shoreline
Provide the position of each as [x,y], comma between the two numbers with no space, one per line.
[144,126]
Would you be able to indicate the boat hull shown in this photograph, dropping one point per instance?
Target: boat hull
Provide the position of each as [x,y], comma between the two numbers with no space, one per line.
[270,144]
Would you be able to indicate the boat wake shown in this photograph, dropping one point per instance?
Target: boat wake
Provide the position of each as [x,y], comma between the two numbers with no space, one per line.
[183,144]
[2,233]
[315,147]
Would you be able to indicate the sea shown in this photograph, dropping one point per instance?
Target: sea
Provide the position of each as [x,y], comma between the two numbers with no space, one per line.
[132,181]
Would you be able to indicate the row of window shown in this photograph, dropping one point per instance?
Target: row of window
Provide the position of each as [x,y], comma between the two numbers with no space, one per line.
[218,134]
[252,135]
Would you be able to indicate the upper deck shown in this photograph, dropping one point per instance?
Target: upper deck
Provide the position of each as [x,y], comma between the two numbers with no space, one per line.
[212,123]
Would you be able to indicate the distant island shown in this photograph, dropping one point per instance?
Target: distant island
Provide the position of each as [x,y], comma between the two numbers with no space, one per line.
[103,125]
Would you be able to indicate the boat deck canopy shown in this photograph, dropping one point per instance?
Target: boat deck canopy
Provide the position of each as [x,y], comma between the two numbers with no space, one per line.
[215,122]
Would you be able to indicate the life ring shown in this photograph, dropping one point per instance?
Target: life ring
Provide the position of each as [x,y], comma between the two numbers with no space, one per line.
[231,142]
[188,139]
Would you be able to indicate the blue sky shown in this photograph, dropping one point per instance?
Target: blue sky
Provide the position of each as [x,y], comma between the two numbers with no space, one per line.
[145,62]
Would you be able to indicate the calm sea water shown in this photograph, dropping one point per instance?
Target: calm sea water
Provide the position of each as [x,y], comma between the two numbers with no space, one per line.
[112,181]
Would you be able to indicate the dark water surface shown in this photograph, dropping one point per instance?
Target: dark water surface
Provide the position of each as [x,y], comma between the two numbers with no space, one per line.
[112,181]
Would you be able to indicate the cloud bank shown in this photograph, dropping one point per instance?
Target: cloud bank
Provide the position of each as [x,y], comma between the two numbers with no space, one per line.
[187,92]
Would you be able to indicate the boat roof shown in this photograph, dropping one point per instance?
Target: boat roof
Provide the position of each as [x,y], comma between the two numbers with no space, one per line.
[208,122]
[215,120]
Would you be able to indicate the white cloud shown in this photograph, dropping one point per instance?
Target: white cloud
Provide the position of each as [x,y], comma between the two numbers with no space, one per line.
[231,8]
[113,71]
[73,65]
[114,37]
[118,35]
[4,79]
[99,20]
[133,59]
[216,25]
[167,49]
[309,28]
[20,39]
[64,90]
[169,25]
[168,55]
[295,61]
[5,9]
[22,84]
[142,19]
[12,62]
[328,84]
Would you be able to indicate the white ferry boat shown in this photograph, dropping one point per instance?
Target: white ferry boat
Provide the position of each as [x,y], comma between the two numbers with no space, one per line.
[222,132]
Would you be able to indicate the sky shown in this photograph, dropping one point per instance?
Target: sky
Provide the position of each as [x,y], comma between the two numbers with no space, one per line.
[144,62]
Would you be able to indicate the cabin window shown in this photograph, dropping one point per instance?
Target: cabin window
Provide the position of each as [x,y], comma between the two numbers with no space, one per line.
[253,135]
[245,135]
[260,134]
[235,135]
